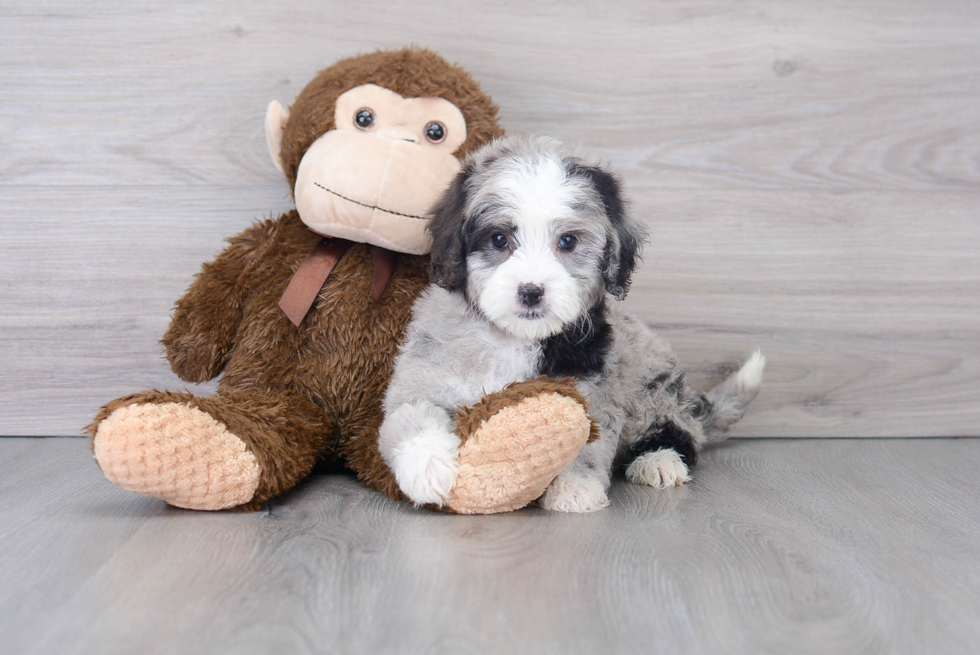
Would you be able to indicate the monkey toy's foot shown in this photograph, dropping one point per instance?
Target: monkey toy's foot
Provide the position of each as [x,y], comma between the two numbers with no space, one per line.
[175,452]
[515,442]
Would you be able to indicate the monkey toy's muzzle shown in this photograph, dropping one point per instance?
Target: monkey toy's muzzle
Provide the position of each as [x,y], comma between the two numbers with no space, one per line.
[372,188]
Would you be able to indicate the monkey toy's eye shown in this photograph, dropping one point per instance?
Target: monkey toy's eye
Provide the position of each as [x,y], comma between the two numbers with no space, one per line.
[435,132]
[364,118]
[499,241]
[567,242]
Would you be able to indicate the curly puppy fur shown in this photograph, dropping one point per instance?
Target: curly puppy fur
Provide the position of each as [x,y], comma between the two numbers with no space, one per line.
[529,243]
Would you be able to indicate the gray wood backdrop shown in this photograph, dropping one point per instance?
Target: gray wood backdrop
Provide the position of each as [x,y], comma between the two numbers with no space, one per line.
[810,172]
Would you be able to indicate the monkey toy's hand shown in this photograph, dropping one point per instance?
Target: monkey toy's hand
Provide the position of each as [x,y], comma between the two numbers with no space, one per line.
[515,442]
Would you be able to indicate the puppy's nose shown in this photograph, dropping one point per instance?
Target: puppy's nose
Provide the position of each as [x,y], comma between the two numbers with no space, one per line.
[530,294]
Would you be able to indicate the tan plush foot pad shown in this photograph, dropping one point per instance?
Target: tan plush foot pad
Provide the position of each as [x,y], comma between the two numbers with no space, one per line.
[177,453]
[515,454]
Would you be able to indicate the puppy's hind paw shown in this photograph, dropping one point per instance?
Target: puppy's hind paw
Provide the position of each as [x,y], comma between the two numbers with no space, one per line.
[571,492]
[661,468]
[425,467]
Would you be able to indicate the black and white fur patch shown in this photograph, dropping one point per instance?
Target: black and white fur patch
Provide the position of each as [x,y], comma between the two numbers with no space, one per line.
[530,245]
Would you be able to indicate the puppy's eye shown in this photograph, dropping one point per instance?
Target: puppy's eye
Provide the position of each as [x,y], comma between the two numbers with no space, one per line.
[567,242]
[435,132]
[364,118]
[499,241]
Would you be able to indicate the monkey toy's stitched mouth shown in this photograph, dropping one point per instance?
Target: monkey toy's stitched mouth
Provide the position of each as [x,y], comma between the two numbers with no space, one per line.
[380,209]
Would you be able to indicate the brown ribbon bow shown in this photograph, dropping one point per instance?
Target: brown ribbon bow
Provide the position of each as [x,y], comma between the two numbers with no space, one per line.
[308,279]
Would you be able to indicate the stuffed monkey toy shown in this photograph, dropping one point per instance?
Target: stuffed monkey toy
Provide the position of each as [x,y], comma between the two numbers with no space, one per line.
[303,314]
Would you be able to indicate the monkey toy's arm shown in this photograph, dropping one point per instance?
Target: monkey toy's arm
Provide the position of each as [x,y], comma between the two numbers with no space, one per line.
[206,319]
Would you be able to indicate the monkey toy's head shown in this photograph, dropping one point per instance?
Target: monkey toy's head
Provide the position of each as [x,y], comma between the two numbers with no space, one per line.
[372,142]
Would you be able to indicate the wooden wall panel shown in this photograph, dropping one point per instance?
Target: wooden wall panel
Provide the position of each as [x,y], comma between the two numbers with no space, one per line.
[810,173]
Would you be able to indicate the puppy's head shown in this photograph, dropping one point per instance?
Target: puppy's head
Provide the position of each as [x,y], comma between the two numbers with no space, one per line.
[533,236]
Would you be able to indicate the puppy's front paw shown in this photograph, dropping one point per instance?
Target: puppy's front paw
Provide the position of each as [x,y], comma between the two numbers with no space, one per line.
[425,466]
[573,492]
[661,468]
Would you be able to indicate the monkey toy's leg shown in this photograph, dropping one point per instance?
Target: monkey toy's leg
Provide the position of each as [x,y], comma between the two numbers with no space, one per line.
[239,449]
[514,443]
[233,450]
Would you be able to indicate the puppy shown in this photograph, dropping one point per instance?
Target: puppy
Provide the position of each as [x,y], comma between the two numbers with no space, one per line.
[528,244]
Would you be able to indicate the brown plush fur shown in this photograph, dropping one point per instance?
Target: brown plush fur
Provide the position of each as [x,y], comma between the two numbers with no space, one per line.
[411,73]
[294,395]
[299,395]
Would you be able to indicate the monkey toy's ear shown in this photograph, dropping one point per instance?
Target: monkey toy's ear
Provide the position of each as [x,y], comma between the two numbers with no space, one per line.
[275,122]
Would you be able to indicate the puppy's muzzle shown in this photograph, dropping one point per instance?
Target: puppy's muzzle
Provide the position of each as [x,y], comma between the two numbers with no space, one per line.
[530,294]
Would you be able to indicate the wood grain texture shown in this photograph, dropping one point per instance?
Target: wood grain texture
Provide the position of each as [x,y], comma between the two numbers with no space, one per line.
[778,546]
[810,173]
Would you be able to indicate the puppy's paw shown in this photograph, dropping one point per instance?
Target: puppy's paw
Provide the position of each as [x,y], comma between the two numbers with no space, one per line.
[573,492]
[425,466]
[661,468]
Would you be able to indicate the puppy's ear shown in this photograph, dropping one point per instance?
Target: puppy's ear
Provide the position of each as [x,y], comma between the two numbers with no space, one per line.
[626,238]
[448,265]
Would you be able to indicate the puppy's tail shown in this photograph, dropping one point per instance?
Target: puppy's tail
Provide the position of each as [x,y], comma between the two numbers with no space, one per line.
[725,404]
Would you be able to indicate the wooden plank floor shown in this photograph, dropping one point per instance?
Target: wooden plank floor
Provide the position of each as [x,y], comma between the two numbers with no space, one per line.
[810,173]
[779,546]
